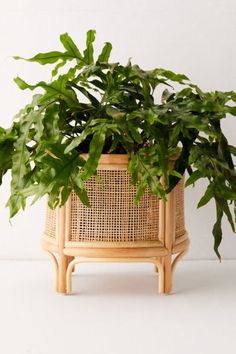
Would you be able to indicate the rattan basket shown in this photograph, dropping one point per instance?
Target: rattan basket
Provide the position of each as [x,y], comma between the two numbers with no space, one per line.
[113,229]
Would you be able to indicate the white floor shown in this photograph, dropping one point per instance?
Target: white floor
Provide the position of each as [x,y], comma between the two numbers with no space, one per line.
[115,309]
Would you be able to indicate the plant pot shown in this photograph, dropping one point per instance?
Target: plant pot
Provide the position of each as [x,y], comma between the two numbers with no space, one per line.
[112,230]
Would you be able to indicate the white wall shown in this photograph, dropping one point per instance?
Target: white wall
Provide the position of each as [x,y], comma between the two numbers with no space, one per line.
[192,37]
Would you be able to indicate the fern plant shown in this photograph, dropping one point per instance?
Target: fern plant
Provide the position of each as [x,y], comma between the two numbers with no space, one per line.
[94,106]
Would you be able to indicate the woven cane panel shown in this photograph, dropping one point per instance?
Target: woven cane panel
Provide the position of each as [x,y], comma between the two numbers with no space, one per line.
[50,227]
[112,217]
[179,208]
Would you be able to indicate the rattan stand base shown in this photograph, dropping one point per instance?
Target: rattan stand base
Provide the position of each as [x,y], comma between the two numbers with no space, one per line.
[113,231]
[163,265]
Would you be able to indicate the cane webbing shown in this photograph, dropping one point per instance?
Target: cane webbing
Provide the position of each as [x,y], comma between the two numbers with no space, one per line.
[112,216]
[112,219]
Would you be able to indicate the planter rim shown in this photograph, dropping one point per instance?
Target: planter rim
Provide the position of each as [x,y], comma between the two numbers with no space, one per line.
[110,159]
[115,159]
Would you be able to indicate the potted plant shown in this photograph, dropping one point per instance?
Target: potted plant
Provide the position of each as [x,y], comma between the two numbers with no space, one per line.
[110,154]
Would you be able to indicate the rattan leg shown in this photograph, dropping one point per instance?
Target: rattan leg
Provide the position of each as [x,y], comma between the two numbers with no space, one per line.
[178,258]
[167,274]
[55,262]
[160,269]
[62,267]
[69,259]
[70,268]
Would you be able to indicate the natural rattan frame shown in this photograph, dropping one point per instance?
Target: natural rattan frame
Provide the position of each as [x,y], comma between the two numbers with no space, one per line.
[172,239]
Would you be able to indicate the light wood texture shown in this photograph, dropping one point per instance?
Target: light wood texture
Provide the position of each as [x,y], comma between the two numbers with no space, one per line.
[70,259]
[115,245]
[167,274]
[112,162]
[162,206]
[161,274]
[116,252]
[62,260]
[170,220]
[177,259]
[110,159]
[181,246]
[65,231]
[170,227]
[181,239]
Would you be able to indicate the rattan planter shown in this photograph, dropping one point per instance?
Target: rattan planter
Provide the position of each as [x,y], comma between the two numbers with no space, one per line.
[112,230]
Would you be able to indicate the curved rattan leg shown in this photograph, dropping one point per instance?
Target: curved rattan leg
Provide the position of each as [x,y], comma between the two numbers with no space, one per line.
[159,265]
[177,259]
[55,262]
[69,259]
[69,271]
[155,268]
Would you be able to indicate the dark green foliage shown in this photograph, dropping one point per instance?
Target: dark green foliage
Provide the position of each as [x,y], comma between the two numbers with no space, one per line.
[96,107]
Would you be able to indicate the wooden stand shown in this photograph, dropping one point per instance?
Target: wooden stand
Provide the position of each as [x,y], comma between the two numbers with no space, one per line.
[66,250]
